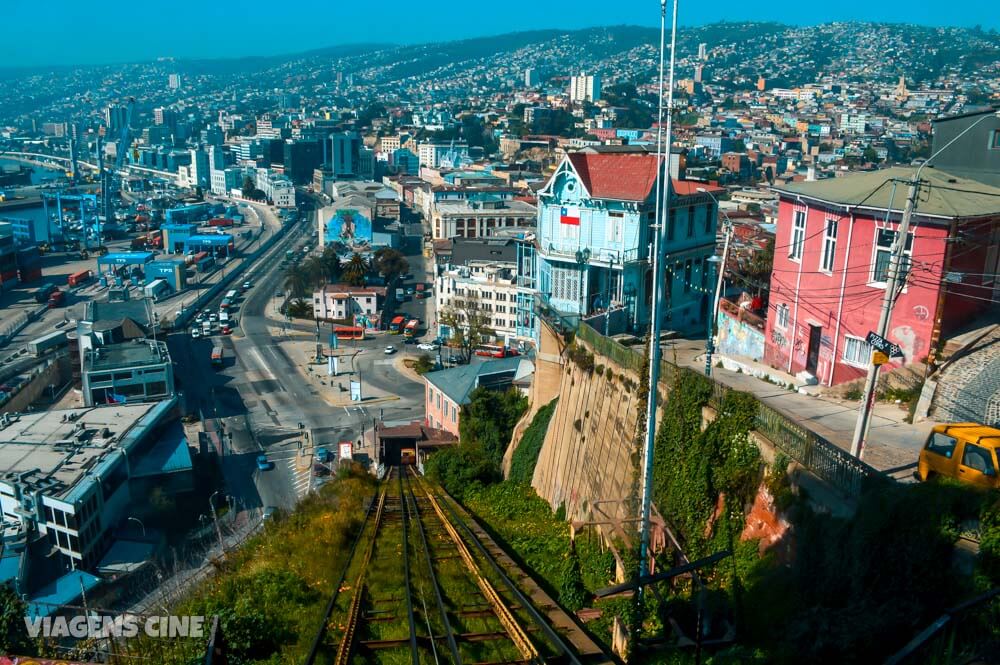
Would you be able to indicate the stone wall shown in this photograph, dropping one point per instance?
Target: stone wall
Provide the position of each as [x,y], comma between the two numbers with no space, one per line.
[587,455]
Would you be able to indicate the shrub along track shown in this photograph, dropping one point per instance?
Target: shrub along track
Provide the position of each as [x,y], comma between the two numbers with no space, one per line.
[424,589]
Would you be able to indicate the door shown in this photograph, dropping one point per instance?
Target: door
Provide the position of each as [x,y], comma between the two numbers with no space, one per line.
[812,354]
[977,466]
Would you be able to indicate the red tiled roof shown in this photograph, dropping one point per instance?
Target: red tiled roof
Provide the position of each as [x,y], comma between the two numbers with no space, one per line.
[626,176]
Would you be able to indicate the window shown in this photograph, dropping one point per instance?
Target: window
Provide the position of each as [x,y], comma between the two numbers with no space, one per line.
[798,235]
[829,246]
[979,459]
[884,238]
[857,351]
[995,139]
[782,321]
[687,275]
[941,444]
[615,224]
[690,212]
[671,219]
[708,218]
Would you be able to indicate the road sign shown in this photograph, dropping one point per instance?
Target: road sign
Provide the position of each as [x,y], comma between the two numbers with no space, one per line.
[880,343]
[879,358]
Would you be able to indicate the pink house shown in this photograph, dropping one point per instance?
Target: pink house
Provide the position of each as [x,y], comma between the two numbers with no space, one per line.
[832,249]
[447,390]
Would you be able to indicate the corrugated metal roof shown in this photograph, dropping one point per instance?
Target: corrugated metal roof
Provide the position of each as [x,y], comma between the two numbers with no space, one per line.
[944,194]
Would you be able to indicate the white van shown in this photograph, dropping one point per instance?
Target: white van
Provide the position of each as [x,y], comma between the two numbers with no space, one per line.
[223,317]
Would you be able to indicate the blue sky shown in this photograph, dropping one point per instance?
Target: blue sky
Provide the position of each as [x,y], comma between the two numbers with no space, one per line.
[41,32]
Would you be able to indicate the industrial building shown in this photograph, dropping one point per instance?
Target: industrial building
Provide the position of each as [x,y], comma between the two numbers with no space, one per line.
[138,370]
[66,475]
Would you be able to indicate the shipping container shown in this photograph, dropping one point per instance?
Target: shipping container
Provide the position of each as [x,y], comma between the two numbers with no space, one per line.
[53,340]
[56,299]
[78,278]
[42,295]
[221,221]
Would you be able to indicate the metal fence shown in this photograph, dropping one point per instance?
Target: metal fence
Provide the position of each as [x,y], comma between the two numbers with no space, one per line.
[824,459]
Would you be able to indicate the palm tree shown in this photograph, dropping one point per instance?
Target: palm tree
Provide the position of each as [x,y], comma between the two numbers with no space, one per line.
[297,281]
[331,264]
[355,270]
[316,271]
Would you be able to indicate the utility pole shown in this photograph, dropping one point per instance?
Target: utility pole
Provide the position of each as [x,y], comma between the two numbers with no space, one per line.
[891,289]
[215,518]
[662,202]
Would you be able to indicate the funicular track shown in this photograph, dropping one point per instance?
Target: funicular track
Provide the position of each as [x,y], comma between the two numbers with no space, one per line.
[419,587]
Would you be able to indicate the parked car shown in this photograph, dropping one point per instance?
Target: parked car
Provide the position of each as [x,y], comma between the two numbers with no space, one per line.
[264,464]
[967,452]
[195,333]
[246,285]
[389,350]
[428,346]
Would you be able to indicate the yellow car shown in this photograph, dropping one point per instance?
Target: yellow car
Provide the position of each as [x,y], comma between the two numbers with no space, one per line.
[966,451]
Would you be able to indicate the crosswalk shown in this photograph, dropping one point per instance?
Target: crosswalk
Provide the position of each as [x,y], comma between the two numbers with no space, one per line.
[297,466]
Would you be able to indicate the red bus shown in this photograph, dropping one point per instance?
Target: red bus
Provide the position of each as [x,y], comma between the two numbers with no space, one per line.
[396,326]
[350,332]
[411,328]
[495,351]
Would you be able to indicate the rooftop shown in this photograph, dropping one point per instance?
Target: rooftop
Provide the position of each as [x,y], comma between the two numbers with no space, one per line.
[459,382]
[466,207]
[947,196]
[134,353]
[626,176]
[467,250]
[58,447]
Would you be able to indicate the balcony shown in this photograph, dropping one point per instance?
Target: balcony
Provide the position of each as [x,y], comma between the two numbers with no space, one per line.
[568,252]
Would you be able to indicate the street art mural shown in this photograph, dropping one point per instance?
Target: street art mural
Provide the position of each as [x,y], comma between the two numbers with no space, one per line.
[739,338]
[349,227]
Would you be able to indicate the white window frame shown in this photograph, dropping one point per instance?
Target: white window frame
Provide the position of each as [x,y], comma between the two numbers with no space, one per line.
[861,345]
[781,318]
[876,248]
[829,257]
[798,239]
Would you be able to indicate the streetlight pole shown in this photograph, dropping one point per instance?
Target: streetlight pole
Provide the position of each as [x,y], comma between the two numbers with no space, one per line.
[893,279]
[215,518]
[716,300]
[139,522]
[582,259]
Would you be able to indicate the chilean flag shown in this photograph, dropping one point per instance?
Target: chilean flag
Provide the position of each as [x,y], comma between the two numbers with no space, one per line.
[569,215]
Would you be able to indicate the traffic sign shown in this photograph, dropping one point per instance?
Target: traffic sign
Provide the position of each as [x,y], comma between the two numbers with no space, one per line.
[879,358]
[880,343]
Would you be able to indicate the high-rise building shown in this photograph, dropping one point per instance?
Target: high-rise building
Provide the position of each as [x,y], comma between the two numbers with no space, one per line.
[584,88]
[531,77]
[697,73]
[201,174]
[345,154]
[301,158]
[115,116]
[165,116]
[174,81]
[703,51]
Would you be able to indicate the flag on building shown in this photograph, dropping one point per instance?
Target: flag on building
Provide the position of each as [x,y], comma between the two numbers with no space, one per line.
[569,215]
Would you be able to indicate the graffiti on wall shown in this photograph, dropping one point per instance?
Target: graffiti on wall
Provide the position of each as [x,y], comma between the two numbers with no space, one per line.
[738,338]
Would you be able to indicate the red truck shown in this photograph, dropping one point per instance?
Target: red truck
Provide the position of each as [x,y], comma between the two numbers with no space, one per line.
[78,278]
[56,299]
[221,221]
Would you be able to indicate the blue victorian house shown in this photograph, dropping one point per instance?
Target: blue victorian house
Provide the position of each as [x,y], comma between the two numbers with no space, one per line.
[595,230]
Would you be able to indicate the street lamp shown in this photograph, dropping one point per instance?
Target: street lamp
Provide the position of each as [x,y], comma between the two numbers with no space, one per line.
[582,259]
[714,314]
[139,522]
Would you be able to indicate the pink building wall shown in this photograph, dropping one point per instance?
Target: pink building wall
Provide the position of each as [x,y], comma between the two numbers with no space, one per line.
[439,411]
[843,304]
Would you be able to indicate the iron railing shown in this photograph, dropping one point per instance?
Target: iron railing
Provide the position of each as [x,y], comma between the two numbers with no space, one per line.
[816,453]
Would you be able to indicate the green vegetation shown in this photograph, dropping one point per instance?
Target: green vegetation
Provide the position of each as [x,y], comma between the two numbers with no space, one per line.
[271,593]
[845,590]
[485,427]
[423,364]
[522,463]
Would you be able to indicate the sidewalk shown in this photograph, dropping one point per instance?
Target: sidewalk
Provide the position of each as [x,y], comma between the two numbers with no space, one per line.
[893,444]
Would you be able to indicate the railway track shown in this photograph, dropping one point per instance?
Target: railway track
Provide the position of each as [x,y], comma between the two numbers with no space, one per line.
[419,588]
